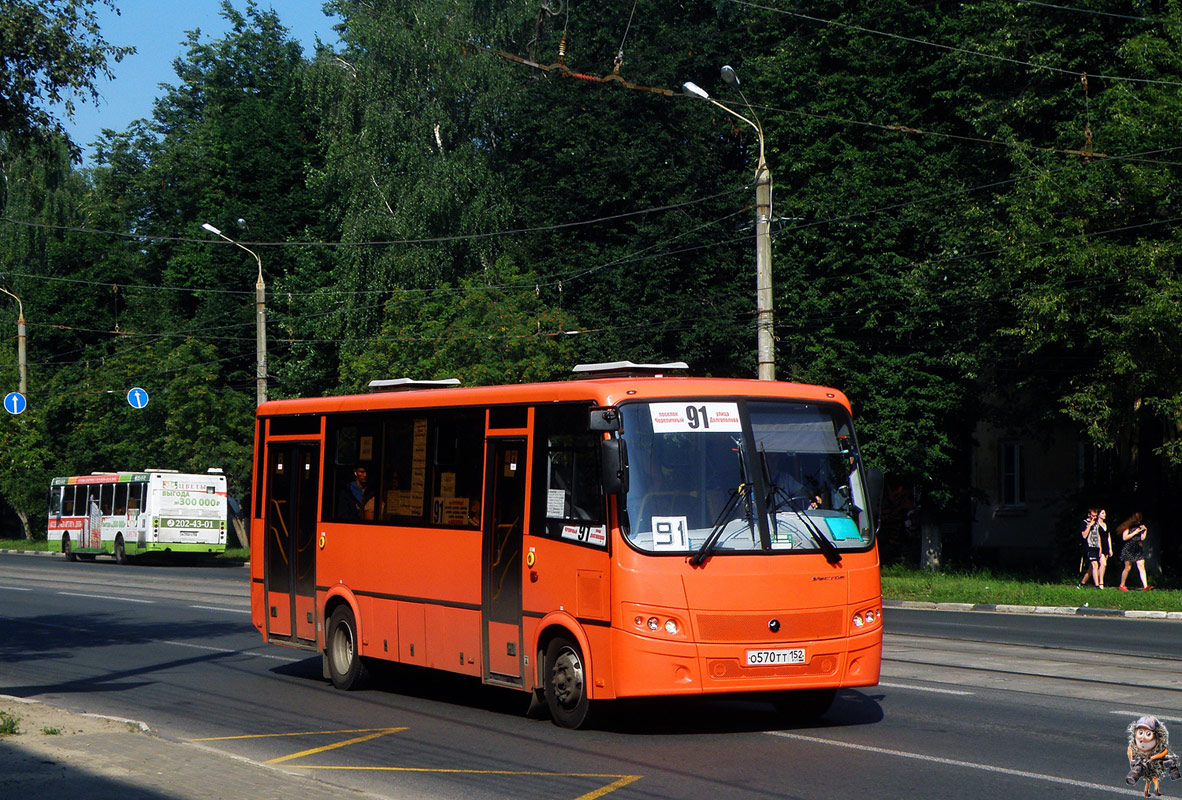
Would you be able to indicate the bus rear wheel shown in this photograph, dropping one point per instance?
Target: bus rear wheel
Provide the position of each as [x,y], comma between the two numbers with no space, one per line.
[120,552]
[67,550]
[346,667]
[565,681]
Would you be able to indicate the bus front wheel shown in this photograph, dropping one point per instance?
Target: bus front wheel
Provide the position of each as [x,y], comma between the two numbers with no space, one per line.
[120,552]
[346,668]
[566,684]
[67,550]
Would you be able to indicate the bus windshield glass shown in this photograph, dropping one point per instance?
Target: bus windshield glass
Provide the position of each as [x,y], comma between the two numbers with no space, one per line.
[727,477]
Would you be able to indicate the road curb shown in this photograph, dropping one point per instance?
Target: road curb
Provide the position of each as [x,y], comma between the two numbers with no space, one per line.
[1001,608]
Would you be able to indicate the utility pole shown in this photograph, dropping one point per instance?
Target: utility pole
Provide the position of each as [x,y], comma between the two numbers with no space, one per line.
[763,271]
[764,323]
[21,359]
[260,319]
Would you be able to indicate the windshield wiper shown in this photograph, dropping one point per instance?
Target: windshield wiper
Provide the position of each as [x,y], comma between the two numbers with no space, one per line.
[719,524]
[832,554]
[743,491]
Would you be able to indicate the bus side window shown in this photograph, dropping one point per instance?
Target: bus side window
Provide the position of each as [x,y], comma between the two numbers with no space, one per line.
[107,496]
[135,499]
[67,501]
[120,499]
[570,488]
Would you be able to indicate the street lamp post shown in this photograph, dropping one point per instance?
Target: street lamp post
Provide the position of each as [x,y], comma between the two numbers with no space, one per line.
[763,245]
[21,359]
[260,319]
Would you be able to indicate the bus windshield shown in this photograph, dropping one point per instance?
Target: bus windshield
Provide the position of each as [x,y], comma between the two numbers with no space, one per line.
[725,477]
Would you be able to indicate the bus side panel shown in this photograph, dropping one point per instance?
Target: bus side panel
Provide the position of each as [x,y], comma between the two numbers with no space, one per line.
[453,639]
[378,627]
[412,634]
[574,579]
[257,600]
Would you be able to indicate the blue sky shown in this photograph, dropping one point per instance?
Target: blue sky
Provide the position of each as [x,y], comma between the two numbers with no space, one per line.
[156,29]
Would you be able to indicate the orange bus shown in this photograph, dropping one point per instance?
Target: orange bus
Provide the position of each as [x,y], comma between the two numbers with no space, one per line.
[627,534]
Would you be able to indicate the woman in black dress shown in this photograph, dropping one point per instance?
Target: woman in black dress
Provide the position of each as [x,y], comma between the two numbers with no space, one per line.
[1133,533]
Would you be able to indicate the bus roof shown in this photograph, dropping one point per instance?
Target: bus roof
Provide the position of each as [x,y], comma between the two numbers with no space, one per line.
[602,391]
[127,477]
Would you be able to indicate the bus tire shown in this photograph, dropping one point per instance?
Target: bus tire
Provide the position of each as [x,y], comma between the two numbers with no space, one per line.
[346,667]
[565,683]
[120,552]
[67,550]
[803,705]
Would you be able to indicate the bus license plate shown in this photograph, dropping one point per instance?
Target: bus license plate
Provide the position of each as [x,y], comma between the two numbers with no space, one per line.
[757,658]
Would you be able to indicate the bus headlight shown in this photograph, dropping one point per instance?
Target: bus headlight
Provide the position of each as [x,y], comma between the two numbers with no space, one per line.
[657,622]
[865,618]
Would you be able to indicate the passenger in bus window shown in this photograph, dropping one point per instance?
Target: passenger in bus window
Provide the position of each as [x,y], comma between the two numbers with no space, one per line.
[356,498]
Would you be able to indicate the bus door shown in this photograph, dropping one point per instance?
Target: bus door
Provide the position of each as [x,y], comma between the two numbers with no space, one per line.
[504,524]
[289,550]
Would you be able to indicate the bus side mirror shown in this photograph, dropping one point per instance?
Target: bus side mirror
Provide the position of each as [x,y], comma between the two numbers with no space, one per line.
[875,480]
[615,466]
[605,419]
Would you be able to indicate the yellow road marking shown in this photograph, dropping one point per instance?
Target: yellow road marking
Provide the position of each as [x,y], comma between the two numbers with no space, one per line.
[376,733]
[326,748]
[611,787]
[278,735]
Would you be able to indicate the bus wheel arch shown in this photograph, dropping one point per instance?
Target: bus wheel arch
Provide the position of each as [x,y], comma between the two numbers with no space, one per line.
[347,669]
[120,550]
[67,550]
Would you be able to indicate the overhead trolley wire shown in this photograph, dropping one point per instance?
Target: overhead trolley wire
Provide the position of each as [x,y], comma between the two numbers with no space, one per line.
[951,48]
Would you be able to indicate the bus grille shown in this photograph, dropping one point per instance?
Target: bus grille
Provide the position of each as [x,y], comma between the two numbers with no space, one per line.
[794,626]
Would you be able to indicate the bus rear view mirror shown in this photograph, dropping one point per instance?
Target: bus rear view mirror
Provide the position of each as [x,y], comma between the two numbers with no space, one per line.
[605,419]
[874,484]
[615,467]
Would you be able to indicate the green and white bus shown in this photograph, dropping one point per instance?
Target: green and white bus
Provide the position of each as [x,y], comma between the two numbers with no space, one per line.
[123,514]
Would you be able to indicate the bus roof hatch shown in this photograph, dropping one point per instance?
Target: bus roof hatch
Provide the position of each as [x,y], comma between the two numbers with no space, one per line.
[627,369]
[404,384]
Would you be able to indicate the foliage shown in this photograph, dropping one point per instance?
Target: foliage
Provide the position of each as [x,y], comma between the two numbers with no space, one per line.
[486,331]
[973,217]
[50,51]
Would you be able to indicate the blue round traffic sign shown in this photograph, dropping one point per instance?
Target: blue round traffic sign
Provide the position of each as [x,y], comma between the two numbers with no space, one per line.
[137,397]
[15,403]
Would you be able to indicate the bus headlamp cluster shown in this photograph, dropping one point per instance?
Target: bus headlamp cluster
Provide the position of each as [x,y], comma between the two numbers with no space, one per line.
[866,618]
[653,622]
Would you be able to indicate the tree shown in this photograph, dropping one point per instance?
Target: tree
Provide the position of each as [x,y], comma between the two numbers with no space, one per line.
[24,477]
[50,51]
[490,329]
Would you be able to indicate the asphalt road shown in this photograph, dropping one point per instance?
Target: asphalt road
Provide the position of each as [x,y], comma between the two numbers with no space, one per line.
[975,705]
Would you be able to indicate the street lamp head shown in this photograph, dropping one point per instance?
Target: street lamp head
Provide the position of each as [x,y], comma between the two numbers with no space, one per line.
[729,75]
[211,229]
[689,87]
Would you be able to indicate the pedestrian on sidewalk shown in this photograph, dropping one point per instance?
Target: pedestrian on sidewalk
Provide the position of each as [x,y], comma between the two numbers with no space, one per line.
[1133,532]
[1091,540]
[1105,544]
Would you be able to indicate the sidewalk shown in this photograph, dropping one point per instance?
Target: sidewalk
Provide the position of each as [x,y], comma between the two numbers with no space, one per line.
[87,757]
[1070,611]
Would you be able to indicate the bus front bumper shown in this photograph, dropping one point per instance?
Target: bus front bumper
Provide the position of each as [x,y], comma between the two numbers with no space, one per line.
[646,667]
